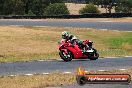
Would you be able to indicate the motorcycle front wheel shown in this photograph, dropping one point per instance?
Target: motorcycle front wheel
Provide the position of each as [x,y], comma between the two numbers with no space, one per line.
[66,57]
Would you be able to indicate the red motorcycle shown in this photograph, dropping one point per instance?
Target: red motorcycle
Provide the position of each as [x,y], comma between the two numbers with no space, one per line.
[70,51]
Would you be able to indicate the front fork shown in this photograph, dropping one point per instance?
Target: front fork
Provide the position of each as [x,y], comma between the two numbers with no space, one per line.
[65,53]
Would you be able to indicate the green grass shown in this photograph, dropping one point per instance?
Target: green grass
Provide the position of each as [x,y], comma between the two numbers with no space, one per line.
[40,43]
[120,41]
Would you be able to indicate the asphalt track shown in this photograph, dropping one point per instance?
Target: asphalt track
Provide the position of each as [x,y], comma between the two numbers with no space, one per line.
[99,86]
[40,67]
[122,26]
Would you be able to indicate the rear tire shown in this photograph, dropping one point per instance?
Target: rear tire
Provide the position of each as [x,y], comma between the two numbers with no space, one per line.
[66,59]
[95,56]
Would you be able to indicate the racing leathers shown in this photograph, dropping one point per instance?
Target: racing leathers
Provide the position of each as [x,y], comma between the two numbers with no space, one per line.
[73,40]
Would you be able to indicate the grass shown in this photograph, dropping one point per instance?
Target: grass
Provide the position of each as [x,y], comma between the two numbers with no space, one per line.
[37,81]
[51,80]
[37,43]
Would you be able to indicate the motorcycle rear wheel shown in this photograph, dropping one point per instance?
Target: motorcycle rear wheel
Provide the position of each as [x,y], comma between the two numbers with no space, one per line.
[66,58]
[96,56]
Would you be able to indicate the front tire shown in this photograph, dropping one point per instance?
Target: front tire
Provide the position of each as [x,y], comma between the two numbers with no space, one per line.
[66,57]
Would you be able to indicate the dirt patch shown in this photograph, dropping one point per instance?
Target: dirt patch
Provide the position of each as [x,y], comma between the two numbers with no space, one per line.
[74,8]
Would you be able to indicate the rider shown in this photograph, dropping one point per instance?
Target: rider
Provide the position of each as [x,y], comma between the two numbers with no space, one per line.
[72,39]
[69,37]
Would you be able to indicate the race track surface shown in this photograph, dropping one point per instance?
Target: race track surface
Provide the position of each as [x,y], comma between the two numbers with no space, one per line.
[39,67]
[122,26]
[99,86]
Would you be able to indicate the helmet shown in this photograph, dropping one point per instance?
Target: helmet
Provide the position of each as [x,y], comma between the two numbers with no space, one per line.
[65,34]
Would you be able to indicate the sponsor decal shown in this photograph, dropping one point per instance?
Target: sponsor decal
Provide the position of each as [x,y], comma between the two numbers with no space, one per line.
[88,78]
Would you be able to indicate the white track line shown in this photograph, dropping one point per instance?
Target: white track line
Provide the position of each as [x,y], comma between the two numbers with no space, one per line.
[67,72]
[112,57]
[100,70]
[128,56]
[28,74]
[106,21]
[128,31]
[12,75]
[122,69]
[104,29]
[45,73]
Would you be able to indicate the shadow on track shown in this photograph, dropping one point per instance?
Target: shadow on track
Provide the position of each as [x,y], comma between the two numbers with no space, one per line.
[76,60]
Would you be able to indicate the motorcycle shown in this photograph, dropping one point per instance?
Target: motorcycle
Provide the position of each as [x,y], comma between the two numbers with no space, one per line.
[68,51]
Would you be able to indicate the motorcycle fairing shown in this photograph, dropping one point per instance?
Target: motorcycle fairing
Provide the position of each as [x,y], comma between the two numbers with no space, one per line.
[75,51]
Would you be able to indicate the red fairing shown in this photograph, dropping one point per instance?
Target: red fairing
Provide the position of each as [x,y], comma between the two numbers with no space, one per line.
[86,42]
[76,51]
[64,46]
